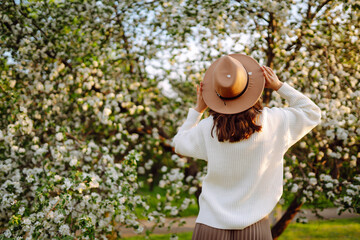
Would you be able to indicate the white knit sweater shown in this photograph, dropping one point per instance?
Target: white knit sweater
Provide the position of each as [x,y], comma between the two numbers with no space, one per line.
[244,180]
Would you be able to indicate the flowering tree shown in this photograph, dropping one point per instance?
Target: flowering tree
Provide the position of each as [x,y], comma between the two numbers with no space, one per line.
[313,46]
[84,126]
[80,119]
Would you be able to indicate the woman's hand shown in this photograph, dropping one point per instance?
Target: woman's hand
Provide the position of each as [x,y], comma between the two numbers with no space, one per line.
[271,80]
[200,104]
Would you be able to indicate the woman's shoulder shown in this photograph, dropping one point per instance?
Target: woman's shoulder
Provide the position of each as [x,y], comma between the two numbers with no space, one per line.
[272,115]
[277,111]
[206,121]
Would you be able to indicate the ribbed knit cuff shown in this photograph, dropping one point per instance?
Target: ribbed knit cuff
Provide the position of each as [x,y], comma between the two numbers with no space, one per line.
[192,120]
[284,87]
[194,116]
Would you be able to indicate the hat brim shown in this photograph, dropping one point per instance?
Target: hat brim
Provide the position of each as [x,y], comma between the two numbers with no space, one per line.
[247,99]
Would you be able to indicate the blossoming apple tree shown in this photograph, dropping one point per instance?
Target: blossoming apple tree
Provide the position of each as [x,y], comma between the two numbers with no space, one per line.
[312,45]
[84,126]
[81,119]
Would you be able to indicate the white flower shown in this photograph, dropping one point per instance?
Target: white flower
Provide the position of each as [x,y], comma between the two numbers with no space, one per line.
[140,229]
[326,178]
[330,194]
[353,162]
[192,190]
[350,192]
[94,184]
[107,111]
[29,178]
[7,233]
[73,161]
[162,183]
[164,169]
[67,184]
[26,221]
[85,106]
[141,170]
[348,199]
[313,181]
[189,178]
[294,188]
[58,218]
[21,210]
[12,83]
[181,162]
[59,136]
[148,164]
[51,214]
[39,86]
[57,177]
[174,211]
[329,185]
[23,109]
[288,175]
[64,230]
[81,187]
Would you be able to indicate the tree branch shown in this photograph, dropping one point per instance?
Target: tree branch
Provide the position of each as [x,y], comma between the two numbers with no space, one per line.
[252,11]
[285,220]
[317,10]
[50,54]
[306,21]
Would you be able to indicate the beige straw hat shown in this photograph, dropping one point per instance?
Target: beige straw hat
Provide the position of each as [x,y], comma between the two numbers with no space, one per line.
[233,84]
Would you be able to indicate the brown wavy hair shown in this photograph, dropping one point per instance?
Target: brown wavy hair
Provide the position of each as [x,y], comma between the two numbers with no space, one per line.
[238,126]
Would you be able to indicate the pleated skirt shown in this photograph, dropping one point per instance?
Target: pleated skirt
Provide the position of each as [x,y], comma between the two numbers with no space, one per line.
[257,231]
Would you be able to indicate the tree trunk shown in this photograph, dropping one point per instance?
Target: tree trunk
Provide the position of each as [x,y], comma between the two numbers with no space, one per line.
[267,96]
[284,221]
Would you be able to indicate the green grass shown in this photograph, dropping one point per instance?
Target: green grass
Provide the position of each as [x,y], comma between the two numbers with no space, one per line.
[340,229]
[192,210]
[344,229]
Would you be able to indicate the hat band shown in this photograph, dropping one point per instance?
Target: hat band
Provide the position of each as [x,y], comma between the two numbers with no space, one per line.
[241,93]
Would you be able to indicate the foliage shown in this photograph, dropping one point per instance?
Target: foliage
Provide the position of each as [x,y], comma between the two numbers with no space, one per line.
[79,117]
[85,125]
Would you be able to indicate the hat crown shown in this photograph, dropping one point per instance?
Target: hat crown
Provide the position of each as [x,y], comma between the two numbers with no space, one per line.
[230,78]
[242,75]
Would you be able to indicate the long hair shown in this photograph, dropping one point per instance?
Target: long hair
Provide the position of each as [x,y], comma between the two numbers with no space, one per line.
[238,126]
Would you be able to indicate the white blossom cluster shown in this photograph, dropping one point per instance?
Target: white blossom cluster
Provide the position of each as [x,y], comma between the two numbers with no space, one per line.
[173,180]
[72,136]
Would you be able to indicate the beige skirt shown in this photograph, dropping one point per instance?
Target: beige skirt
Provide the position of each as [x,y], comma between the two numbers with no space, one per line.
[257,231]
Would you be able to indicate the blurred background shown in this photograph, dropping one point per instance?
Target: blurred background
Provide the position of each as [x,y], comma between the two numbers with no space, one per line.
[92,93]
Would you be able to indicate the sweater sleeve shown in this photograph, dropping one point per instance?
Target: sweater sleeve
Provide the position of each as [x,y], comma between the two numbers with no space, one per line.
[301,116]
[189,140]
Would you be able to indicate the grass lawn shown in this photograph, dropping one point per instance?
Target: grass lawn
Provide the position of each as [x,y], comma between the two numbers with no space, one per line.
[340,229]
[192,210]
[344,229]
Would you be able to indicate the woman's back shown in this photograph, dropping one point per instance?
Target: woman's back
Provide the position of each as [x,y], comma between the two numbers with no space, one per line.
[244,179]
[243,176]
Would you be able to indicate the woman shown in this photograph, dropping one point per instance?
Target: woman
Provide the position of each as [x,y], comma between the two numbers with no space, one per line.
[243,144]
